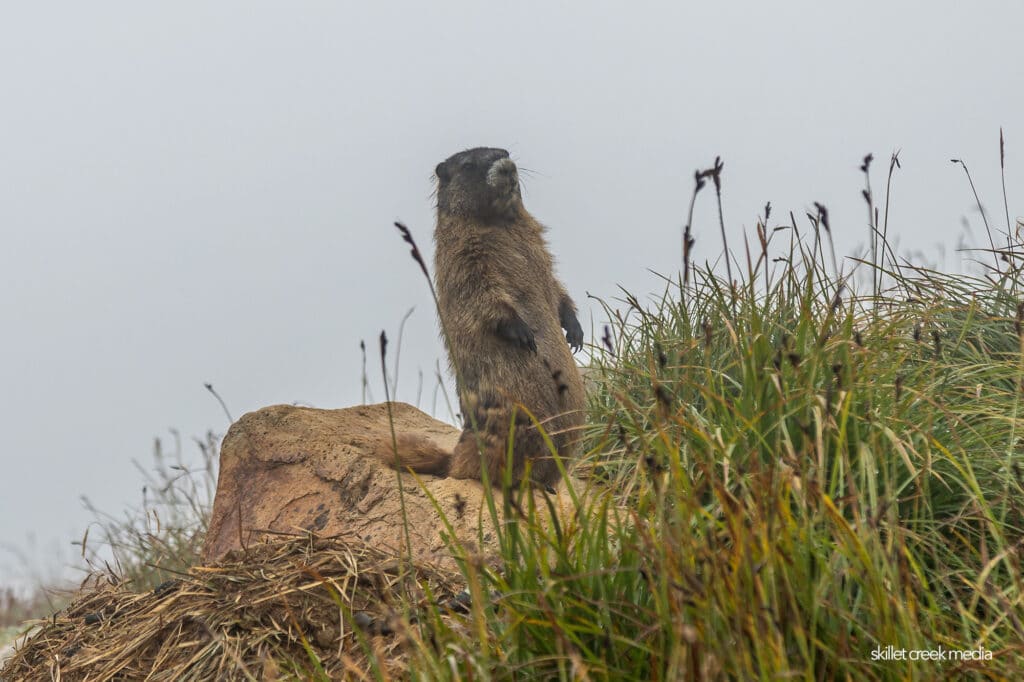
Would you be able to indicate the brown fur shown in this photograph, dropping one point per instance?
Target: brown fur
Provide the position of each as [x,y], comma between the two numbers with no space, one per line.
[502,312]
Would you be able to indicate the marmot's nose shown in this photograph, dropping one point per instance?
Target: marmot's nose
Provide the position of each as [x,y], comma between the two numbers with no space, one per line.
[502,170]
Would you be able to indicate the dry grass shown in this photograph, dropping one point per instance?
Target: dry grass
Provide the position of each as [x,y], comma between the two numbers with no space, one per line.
[305,607]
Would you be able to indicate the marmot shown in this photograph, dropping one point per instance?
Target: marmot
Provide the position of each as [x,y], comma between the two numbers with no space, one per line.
[502,311]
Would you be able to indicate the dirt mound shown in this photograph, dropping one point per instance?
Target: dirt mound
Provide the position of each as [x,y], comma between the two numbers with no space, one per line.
[291,607]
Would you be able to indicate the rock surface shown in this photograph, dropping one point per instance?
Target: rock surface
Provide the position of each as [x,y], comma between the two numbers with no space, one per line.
[286,469]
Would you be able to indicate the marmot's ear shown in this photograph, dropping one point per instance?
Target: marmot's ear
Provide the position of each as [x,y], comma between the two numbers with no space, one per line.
[442,172]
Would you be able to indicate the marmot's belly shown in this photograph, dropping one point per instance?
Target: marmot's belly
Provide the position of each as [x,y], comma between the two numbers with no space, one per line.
[546,384]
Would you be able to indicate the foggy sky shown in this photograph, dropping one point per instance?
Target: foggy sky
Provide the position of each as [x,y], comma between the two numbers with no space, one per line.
[201,192]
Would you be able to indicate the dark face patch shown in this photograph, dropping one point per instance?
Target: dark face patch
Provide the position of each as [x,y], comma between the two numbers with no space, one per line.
[466,160]
[463,187]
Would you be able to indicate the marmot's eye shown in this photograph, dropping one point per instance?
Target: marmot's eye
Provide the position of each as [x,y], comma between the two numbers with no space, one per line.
[466,166]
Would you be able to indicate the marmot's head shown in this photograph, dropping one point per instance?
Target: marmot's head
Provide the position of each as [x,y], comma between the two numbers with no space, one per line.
[481,183]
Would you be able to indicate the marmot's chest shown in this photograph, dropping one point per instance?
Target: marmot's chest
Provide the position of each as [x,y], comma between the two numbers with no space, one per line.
[521,257]
[527,278]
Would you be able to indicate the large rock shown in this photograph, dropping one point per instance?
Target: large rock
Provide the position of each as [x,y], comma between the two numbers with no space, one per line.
[286,469]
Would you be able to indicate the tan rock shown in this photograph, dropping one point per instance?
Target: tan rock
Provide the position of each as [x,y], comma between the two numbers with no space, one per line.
[286,469]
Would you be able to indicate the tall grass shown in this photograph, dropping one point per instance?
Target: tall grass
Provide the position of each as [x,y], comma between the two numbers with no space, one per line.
[784,479]
[163,537]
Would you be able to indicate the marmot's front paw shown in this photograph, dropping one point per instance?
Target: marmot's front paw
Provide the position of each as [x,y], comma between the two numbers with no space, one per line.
[517,331]
[574,334]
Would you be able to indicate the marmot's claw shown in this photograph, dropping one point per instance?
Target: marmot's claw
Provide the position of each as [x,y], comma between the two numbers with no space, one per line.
[518,333]
[574,336]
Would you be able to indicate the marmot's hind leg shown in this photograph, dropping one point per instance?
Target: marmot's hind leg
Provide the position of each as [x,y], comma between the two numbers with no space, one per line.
[489,447]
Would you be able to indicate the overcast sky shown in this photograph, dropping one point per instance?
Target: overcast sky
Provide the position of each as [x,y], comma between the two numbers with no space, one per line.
[204,191]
